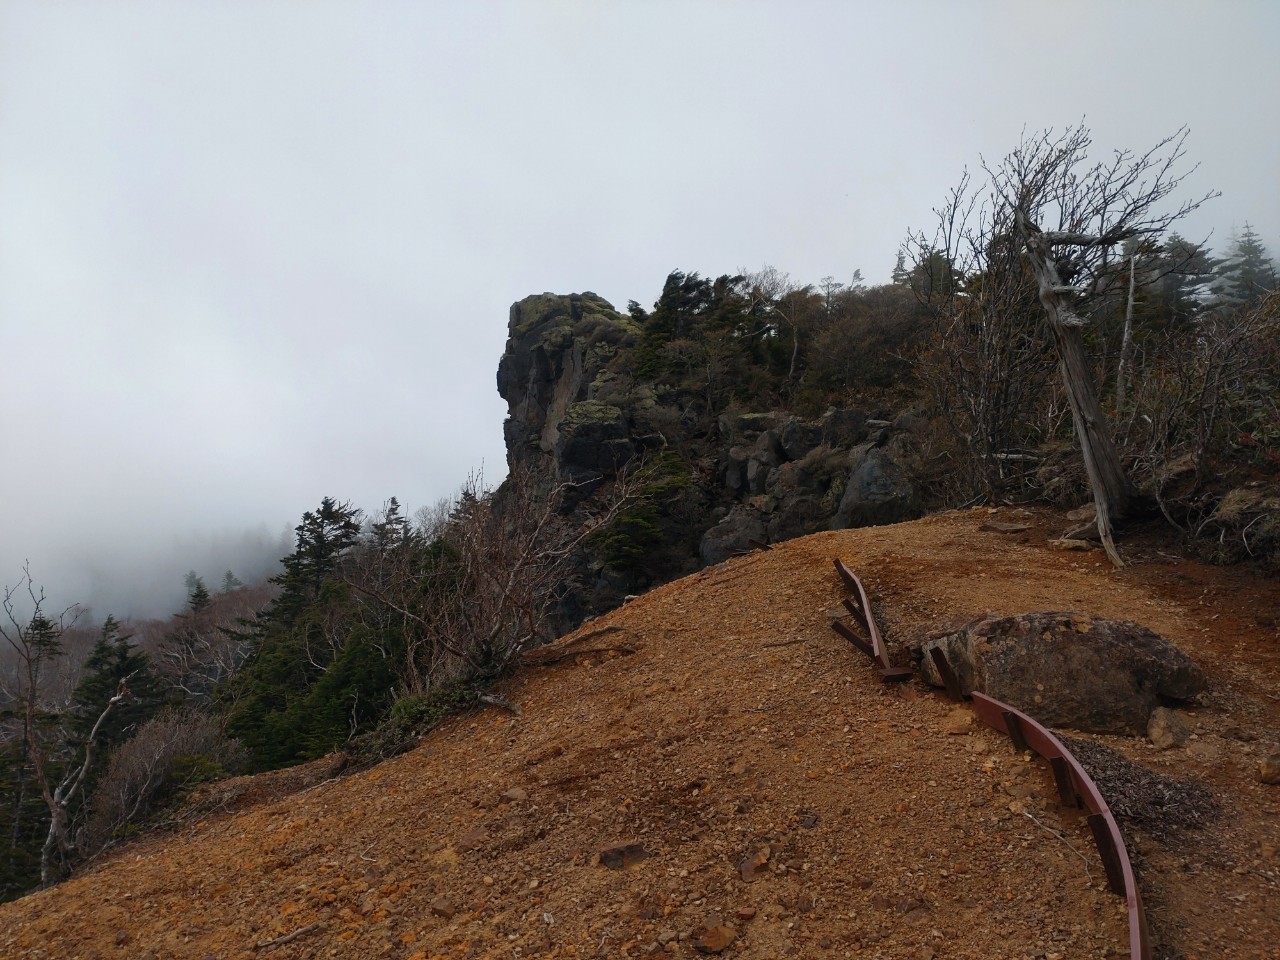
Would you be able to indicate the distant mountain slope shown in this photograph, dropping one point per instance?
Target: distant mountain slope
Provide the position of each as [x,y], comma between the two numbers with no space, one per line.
[741,736]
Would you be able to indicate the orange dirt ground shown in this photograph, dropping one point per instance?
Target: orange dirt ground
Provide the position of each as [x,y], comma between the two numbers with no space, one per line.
[781,801]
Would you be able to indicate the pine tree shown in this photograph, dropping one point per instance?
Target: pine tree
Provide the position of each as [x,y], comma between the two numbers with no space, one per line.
[322,538]
[901,276]
[392,529]
[114,659]
[198,597]
[230,582]
[1247,273]
[286,702]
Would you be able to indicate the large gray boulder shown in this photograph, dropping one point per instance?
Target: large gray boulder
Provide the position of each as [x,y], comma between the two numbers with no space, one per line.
[733,534]
[1067,669]
[879,489]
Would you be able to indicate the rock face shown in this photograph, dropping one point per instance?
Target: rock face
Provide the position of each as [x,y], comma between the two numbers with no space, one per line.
[557,348]
[579,413]
[1067,669]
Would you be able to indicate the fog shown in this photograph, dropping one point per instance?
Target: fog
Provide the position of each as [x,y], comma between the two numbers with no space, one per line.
[255,254]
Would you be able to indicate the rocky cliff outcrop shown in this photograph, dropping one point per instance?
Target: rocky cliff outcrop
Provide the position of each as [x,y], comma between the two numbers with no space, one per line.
[580,414]
[558,351]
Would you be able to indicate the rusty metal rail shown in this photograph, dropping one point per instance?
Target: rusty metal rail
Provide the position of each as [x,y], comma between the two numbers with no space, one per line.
[1076,789]
[860,607]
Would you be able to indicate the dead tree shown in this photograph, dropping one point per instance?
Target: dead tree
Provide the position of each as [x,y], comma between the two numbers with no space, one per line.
[1050,210]
[60,798]
[1067,216]
[37,642]
[1107,479]
[485,589]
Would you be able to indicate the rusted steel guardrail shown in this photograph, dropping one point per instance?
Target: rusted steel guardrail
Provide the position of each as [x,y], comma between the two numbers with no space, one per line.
[860,607]
[1076,789]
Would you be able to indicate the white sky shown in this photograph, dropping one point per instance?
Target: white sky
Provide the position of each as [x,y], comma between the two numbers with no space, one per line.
[253,254]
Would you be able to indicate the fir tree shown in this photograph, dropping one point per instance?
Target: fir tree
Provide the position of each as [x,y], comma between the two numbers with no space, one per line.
[296,697]
[115,659]
[1248,272]
[198,597]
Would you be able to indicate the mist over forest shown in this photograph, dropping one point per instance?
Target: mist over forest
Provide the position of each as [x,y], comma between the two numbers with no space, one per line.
[147,580]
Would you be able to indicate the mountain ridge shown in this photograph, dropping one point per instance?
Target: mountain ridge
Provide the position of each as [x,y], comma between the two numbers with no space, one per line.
[740,723]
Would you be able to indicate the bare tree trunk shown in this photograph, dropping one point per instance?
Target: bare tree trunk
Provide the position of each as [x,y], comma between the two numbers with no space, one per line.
[60,801]
[1111,493]
[1125,339]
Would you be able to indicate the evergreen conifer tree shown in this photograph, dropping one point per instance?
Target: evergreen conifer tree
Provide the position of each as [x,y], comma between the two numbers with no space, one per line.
[300,691]
[198,597]
[114,659]
[1247,273]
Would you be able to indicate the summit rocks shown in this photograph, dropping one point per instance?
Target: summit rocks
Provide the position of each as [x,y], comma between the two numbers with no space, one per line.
[580,413]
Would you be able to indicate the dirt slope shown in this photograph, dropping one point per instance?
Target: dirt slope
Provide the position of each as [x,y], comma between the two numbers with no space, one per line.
[874,821]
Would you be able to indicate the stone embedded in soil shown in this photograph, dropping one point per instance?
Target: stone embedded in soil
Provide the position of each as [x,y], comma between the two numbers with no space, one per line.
[1269,769]
[622,856]
[1088,512]
[514,795]
[1166,729]
[1204,749]
[1070,545]
[996,526]
[754,862]
[444,908]
[472,840]
[958,723]
[1066,669]
[715,936]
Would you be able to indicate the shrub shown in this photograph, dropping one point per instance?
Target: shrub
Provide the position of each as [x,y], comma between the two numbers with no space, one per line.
[169,755]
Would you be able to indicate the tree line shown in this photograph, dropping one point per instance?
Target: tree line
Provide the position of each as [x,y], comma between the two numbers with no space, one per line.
[374,628]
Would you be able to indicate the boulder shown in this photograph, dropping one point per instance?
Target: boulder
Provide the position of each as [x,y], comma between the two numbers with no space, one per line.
[733,534]
[1165,729]
[878,491]
[744,425]
[797,438]
[769,450]
[734,470]
[1067,669]
[757,476]
[843,428]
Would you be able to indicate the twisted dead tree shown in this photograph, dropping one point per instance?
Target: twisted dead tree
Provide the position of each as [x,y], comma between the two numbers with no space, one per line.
[1046,180]
[1062,217]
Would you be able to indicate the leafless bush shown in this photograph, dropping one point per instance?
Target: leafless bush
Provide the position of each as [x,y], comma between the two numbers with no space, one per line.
[1208,394]
[197,650]
[170,752]
[989,362]
[485,588]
